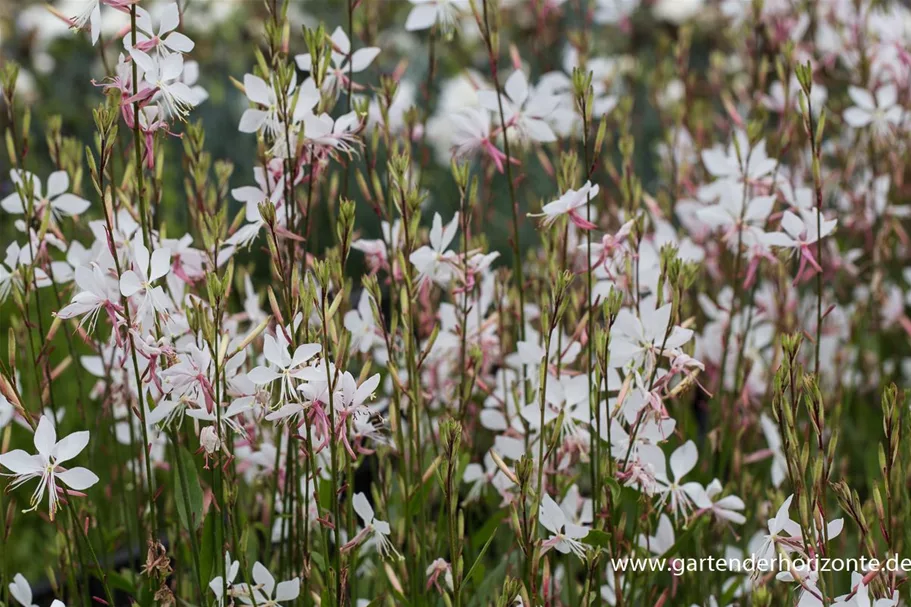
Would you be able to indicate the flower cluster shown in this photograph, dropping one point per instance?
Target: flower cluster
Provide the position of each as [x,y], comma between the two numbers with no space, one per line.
[396,384]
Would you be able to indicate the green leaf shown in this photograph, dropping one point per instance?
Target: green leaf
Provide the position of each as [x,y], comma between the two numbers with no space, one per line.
[597,538]
[480,556]
[209,559]
[188,492]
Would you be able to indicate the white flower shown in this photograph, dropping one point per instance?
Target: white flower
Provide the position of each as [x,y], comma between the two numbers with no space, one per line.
[56,199]
[361,324]
[265,592]
[97,292]
[727,508]
[570,204]
[20,590]
[780,527]
[218,585]
[565,535]
[426,13]
[338,75]
[268,119]
[637,338]
[526,108]
[376,530]
[282,365]
[91,15]
[167,40]
[164,74]
[880,113]
[146,270]
[434,262]
[45,465]
[681,496]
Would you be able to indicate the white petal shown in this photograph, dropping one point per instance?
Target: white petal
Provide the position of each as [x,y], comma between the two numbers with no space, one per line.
[288,591]
[362,58]
[170,19]
[57,184]
[179,42]
[262,577]
[161,263]
[517,87]
[421,17]
[70,204]
[45,436]
[20,462]
[78,478]
[257,90]
[363,508]
[129,283]
[71,446]
[251,121]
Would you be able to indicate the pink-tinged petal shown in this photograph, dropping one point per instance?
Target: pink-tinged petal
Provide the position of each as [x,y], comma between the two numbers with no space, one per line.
[421,17]
[78,478]
[362,58]
[20,462]
[71,446]
[288,591]
[161,263]
[170,19]
[45,436]
[70,204]
[57,184]
[179,42]
[257,90]
[129,284]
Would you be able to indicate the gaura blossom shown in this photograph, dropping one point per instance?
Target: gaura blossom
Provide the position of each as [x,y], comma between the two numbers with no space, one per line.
[46,465]
[137,282]
[338,76]
[881,113]
[264,592]
[56,199]
[168,40]
[434,262]
[570,204]
[565,536]
[427,13]
[375,531]
[21,591]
